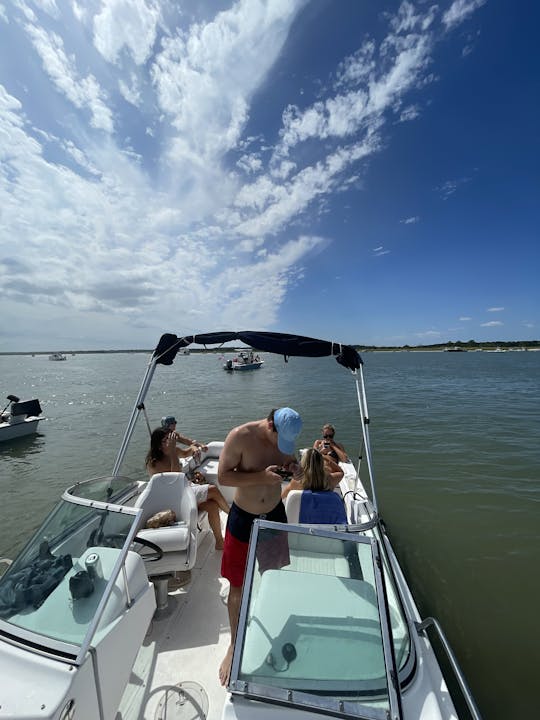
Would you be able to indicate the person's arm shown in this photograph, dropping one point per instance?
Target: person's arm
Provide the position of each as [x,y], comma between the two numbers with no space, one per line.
[293,484]
[186,441]
[339,450]
[333,471]
[171,453]
[231,458]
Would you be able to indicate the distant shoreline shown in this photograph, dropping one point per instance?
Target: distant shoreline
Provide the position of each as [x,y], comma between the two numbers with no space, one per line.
[470,346]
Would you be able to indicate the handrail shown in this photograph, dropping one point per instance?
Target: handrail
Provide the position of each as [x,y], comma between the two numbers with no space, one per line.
[421,627]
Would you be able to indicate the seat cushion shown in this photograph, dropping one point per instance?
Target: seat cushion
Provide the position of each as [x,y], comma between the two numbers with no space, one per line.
[172,538]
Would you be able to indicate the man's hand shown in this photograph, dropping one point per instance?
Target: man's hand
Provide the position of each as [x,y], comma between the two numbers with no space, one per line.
[273,476]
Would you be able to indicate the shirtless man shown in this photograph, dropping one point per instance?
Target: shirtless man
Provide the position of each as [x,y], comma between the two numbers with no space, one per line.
[250,457]
[169,423]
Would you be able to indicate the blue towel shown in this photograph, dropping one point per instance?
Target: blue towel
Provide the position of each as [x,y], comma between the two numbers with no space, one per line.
[322,507]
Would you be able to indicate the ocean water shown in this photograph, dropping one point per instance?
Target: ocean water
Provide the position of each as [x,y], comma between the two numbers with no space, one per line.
[455,442]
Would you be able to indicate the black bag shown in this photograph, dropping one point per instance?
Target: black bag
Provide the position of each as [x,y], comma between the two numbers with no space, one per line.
[81,585]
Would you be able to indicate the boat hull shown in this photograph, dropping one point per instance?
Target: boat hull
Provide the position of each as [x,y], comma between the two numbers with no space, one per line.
[243,367]
[12,431]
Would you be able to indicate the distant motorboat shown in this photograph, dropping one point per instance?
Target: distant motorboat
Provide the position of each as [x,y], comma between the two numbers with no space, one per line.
[21,419]
[455,349]
[57,356]
[244,361]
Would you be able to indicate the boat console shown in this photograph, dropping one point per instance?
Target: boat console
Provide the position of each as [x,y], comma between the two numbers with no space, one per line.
[74,608]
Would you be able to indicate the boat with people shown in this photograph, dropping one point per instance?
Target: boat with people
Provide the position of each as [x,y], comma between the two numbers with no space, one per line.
[57,356]
[19,418]
[106,614]
[243,361]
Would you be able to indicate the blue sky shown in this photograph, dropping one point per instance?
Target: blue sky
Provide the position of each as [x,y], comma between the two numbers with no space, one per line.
[365,172]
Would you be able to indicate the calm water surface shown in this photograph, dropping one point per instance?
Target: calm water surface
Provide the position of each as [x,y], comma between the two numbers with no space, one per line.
[456,457]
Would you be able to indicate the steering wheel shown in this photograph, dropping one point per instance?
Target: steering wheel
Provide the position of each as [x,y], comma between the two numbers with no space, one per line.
[116,540]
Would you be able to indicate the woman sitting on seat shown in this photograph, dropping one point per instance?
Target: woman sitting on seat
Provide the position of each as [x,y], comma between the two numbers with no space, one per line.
[319,503]
[163,456]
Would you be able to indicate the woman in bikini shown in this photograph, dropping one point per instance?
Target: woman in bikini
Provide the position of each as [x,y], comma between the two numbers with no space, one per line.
[163,456]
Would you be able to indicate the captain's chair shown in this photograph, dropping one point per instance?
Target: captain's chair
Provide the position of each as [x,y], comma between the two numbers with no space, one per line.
[178,542]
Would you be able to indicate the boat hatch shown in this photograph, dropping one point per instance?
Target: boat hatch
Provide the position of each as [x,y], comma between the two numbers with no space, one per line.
[75,576]
[316,630]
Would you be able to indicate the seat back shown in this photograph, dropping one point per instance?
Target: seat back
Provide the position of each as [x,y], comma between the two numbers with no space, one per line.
[319,509]
[163,491]
[178,542]
[292,506]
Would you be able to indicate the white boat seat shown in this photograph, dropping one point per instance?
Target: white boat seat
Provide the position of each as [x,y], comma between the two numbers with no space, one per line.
[292,506]
[293,503]
[164,491]
[300,547]
[171,538]
[210,469]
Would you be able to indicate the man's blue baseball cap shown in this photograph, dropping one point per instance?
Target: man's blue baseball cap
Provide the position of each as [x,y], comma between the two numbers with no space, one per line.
[288,424]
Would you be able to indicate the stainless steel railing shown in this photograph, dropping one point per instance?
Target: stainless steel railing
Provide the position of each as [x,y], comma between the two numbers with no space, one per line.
[467,695]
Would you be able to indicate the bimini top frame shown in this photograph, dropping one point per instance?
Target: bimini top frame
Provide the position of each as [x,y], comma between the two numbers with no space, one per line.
[278,343]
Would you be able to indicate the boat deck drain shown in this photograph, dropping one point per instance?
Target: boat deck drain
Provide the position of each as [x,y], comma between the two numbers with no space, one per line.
[184,701]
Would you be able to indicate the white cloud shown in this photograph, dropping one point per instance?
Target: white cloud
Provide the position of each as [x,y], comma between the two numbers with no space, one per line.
[250,163]
[464,318]
[403,59]
[130,92]
[491,323]
[83,92]
[409,113]
[205,78]
[449,187]
[459,11]
[130,24]
[410,220]
[495,309]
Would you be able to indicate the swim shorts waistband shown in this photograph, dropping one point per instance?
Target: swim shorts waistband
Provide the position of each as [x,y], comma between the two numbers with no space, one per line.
[240,521]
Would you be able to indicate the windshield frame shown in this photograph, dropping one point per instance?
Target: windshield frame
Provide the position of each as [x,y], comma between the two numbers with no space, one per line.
[324,703]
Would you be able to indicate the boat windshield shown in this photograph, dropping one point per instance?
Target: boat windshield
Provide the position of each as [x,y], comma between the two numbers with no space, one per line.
[65,585]
[316,628]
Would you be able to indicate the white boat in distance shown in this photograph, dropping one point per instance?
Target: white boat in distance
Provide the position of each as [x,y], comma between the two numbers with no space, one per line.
[334,631]
[57,356]
[244,361]
[20,419]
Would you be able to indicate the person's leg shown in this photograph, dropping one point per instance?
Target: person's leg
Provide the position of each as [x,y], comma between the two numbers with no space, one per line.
[233,606]
[214,520]
[233,565]
[215,495]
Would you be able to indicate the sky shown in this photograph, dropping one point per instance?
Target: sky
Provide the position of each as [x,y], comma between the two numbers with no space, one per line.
[363,172]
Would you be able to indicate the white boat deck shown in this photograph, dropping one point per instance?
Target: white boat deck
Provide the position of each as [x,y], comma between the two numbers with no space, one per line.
[176,671]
